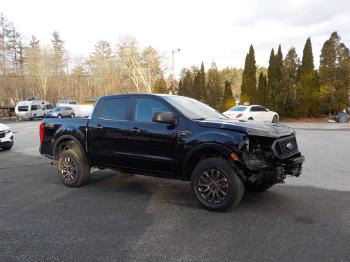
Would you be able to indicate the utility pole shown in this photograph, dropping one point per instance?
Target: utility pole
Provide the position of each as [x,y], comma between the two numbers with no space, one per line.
[173,52]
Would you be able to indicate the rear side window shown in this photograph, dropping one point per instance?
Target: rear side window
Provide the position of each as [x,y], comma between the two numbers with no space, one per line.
[146,108]
[115,108]
[34,107]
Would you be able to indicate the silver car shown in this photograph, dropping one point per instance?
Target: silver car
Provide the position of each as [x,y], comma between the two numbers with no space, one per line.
[61,111]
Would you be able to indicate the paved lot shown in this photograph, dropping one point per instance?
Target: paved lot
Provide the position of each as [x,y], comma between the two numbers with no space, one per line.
[136,218]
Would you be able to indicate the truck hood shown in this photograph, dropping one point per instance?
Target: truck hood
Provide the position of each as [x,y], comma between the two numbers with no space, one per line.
[251,128]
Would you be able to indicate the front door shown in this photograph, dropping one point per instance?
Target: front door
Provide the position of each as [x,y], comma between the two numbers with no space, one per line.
[152,144]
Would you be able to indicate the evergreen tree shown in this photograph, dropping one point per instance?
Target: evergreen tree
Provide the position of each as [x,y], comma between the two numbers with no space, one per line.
[307,94]
[214,88]
[159,86]
[334,74]
[271,78]
[248,88]
[262,95]
[227,101]
[58,53]
[196,85]
[275,78]
[287,98]
[202,84]
[186,83]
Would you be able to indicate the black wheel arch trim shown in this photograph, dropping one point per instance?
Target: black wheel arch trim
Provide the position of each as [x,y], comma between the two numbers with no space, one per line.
[69,137]
[222,149]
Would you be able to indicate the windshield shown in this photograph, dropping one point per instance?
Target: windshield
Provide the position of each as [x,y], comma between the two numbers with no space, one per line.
[238,108]
[56,109]
[193,109]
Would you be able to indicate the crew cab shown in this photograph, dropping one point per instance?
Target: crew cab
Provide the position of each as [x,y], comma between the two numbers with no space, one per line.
[173,137]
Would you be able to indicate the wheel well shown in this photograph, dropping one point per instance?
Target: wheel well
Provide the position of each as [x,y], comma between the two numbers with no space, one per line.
[65,144]
[198,156]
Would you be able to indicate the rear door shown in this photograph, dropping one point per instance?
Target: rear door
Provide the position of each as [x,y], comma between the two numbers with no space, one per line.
[152,145]
[109,131]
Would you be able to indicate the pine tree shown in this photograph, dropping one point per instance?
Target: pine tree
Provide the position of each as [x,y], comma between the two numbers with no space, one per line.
[262,95]
[307,95]
[202,84]
[227,101]
[214,87]
[248,88]
[159,86]
[287,99]
[196,85]
[270,78]
[58,53]
[186,83]
[275,78]
[334,74]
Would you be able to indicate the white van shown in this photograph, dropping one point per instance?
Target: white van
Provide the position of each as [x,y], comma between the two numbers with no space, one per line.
[32,109]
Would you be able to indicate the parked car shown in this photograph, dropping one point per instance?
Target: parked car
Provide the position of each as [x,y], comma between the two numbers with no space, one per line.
[173,137]
[79,110]
[61,111]
[252,112]
[32,109]
[67,102]
[6,137]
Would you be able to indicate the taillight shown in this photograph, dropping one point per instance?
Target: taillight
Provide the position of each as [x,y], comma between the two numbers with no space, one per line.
[239,115]
[41,132]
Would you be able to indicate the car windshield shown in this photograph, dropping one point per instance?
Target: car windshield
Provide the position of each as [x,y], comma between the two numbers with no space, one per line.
[238,108]
[56,109]
[193,109]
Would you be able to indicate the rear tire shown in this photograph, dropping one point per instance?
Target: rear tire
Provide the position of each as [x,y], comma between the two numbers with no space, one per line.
[216,185]
[59,116]
[72,115]
[250,118]
[73,168]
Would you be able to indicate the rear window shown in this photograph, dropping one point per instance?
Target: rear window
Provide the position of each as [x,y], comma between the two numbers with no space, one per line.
[23,108]
[238,108]
[48,106]
[115,108]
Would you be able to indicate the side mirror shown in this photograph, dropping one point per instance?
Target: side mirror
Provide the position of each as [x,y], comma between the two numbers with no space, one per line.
[165,117]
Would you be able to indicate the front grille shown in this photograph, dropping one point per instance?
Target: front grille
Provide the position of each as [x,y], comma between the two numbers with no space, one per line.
[2,134]
[285,147]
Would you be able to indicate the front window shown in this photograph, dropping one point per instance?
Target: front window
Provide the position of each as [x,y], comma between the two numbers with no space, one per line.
[146,108]
[193,109]
[23,108]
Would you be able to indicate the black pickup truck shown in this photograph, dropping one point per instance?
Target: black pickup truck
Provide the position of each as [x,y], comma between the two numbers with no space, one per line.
[173,137]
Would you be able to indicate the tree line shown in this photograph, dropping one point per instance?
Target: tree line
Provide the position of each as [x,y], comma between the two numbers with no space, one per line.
[30,69]
[294,87]
[290,85]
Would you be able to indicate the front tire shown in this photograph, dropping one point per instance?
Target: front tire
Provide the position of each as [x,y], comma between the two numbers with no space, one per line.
[216,185]
[73,168]
[59,116]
